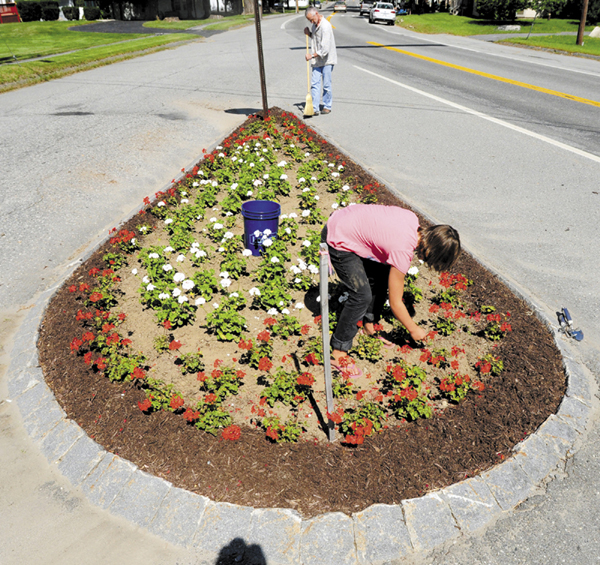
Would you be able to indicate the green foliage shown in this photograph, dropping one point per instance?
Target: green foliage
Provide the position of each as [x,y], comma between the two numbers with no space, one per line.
[190,363]
[368,347]
[225,321]
[205,284]
[444,326]
[29,11]
[286,389]
[115,260]
[411,403]
[288,432]
[222,382]
[211,417]
[161,343]
[91,13]
[71,12]
[501,10]
[286,326]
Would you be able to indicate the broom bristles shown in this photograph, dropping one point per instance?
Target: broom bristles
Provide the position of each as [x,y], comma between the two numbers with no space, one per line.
[308,107]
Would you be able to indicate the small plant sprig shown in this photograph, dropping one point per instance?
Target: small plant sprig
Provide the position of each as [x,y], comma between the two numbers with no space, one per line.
[225,321]
[222,381]
[368,348]
[359,423]
[287,432]
[288,387]
[190,363]
[489,364]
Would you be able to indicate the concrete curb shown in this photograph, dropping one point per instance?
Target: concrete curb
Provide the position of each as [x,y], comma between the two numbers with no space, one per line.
[379,534]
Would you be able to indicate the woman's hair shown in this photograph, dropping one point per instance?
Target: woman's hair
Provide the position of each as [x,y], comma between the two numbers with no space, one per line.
[439,246]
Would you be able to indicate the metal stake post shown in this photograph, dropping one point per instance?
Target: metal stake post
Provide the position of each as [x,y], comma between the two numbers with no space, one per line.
[261,62]
[324,289]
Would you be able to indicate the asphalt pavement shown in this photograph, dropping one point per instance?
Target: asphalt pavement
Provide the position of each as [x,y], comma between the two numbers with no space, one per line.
[84,151]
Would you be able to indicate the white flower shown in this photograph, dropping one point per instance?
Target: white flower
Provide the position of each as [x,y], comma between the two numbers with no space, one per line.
[293,215]
[229,214]
[413,271]
[215,183]
[318,299]
[226,283]
[283,216]
[144,229]
[179,277]
[195,184]
[184,200]
[299,306]
[221,154]
[272,312]
[153,255]
[307,189]
[316,197]
[146,280]
[234,159]
[221,249]
[285,311]
[297,280]
[219,147]
[201,253]
[234,295]
[313,178]
[305,213]
[167,268]
[267,232]
[331,165]
[266,176]
[215,305]
[227,235]
[267,242]
[295,270]
[183,193]
[182,299]
[163,296]
[257,182]
[281,303]
[161,204]
[134,271]
[234,186]
[335,205]
[307,154]
[224,275]
[168,221]
[176,292]
[213,219]
[254,291]
[249,193]
[251,164]
[246,253]
[218,226]
[301,179]
[313,269]
[302,264]
[274,259]
[335,175]
[340,167]
[169,249]
[150,287]
[199,301]
[283,177]
[180,258]
[288,231]
[306,243]
[281,164]
[188,284]
[345,188]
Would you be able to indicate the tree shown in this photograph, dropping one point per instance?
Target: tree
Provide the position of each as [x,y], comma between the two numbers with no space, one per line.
[501,10]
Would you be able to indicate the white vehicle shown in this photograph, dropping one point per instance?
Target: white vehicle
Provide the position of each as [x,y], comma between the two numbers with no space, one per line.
[383,12]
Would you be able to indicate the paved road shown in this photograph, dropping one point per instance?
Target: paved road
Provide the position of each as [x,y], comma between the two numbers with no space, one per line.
[87,148]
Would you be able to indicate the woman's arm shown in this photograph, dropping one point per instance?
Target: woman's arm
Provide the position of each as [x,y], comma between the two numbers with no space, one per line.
[396,290]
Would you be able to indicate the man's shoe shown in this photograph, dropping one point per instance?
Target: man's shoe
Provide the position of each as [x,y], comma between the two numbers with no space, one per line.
[325,111]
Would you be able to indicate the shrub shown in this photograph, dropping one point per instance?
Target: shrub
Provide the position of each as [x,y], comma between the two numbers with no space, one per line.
[29,11]
[91,14]
[501,10]
[71,12]
[50,13]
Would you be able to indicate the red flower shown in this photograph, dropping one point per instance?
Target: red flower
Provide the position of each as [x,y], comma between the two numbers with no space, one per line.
[305,379]
[425,356]
[216,373]
[126,342]
[240,374]
[72,288]
[88,336]
[317,320]
[312,359]
[167,325]
[112,339]
[145,406]
[83,287]
[264,336]
[96,296]
[478,385]
[217,363]
[201,376]
[506,327]
[406,349]
[245,344]
[269,322]
[337,416]
[210,398]
[138,374]
[100,363]
[76,344]
[454,365]
[360,394]
[87,358]
[175,345]
[191,415]
[176,402]
[359,324]
[305,329]
[231,433]
[272,434]
[107,327]
[265,364]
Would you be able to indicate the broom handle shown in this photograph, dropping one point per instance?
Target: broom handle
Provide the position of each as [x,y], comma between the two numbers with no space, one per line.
[307,66]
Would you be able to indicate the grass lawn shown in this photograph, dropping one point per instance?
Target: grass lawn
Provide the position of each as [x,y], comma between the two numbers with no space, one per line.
[18,75]
[40,39]
[210,23]
[462,25]
[591,46]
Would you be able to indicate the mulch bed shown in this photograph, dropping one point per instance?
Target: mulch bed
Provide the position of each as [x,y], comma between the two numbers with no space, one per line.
[316,478]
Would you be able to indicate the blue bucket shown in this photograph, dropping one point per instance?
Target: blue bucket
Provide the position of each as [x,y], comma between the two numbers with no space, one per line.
[261,221]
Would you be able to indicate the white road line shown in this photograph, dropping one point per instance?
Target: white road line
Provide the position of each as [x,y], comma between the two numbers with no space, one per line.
[502,56]
[282,26]
[502,123]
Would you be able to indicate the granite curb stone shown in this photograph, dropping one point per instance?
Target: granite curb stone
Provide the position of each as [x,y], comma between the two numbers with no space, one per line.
[178,516]
[107,480]
[77,463]
[381,534]
[574,412]
[429,521]
[140,498]
[539,456]
[328,539]
[509,484]
[277,532]
[60,439]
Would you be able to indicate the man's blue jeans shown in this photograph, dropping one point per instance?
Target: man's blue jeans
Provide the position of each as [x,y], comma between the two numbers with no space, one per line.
[367,283]
[321,74]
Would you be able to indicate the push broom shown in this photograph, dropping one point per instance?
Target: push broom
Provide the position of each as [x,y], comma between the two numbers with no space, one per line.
[308,107]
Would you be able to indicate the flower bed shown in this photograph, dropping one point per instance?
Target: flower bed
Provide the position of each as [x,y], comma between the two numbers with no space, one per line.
[228,343]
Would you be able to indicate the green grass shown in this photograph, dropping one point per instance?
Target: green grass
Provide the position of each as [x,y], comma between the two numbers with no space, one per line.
[209,24]
[461,25]
[591,46]
[18,75]
[183,24]
[40,39]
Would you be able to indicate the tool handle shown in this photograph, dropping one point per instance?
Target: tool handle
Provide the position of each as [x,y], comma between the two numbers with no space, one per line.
[307,65]
[568,316]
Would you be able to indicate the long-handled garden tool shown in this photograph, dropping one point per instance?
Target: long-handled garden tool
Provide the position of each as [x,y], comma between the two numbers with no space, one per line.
[308,107]
[566,325]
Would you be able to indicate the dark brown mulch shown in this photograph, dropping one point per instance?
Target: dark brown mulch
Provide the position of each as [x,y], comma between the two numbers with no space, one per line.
[316,478]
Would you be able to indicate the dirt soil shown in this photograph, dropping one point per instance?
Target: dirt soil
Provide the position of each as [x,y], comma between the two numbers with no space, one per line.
[315,477]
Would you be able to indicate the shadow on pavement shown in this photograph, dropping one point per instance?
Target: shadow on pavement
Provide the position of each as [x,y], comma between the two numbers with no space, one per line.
[238,553]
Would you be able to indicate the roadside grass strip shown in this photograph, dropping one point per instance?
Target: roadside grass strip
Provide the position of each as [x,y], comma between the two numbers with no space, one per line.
[591,46]
[491,76]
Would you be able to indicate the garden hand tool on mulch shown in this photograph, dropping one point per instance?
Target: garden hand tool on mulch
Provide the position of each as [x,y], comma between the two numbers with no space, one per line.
[308,107]
[566,325]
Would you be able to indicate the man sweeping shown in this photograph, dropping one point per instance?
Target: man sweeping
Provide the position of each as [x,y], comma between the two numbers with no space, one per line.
[322,59]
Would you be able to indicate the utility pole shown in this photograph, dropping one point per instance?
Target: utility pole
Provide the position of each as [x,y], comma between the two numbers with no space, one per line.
[261,62]
[584,11]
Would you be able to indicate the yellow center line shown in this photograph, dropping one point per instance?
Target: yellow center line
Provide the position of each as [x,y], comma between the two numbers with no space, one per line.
[493,77]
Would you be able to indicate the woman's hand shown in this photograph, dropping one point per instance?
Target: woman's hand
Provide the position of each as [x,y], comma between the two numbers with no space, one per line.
[418,334]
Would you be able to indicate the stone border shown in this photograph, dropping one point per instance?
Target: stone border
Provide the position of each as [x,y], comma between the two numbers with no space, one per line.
[378,535]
